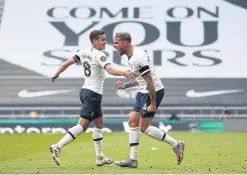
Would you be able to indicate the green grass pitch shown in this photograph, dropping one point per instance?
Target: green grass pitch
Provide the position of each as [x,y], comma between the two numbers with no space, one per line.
[207,153]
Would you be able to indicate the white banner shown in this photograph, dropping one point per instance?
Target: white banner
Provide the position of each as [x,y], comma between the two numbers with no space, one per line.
[186,39]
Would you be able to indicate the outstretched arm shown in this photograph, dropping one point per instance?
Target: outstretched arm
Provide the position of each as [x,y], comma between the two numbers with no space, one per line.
[113,71]
[121,85]
[62,68]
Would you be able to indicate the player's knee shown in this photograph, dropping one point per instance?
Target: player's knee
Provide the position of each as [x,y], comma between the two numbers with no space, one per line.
[134,120]
[98,122]
[100,126]
[84,126]
[133,124]
[84,123]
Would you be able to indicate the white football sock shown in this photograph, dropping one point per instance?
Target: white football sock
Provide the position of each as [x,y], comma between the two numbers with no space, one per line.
[71,135]
[168,139]
[160,135]
[98,141]
[134,139]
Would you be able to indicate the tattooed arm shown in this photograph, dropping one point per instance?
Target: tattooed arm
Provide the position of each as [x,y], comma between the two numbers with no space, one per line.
[121,85]
[152,93]
[151,88]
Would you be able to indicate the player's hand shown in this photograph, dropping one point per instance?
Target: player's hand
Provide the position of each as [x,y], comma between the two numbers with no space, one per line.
[54,77]
[128,75]
[120,85]
[151,108]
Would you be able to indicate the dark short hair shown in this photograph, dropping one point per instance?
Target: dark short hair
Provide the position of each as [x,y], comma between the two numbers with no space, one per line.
[95,34]
[124,36]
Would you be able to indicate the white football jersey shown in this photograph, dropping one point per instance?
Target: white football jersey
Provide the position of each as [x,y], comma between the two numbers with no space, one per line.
[139,65]
[93,62]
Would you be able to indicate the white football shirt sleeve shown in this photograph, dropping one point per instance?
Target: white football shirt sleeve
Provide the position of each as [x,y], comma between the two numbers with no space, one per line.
[77,56]
[102,59]
[142,65]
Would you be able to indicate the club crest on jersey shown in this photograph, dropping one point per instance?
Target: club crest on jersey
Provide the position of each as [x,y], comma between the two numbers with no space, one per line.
[103,58]
[140,65]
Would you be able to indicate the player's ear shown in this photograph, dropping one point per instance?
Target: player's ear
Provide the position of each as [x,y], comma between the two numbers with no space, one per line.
[94,41]
[125,44]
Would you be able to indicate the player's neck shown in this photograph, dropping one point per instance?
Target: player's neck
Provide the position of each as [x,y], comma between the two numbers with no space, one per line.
[94,48]
[129,51]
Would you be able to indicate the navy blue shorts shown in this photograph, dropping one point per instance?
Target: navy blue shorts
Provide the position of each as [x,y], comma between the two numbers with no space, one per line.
[91,104]
[143,100]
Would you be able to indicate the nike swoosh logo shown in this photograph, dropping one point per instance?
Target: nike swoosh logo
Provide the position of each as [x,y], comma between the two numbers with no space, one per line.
[26,94]
[193,94]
